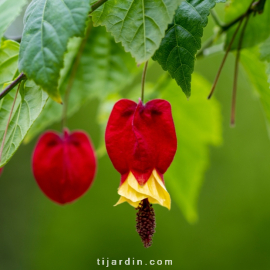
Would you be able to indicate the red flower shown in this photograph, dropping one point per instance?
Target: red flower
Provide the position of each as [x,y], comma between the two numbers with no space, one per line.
[64,166]
[1,170]
[141,143]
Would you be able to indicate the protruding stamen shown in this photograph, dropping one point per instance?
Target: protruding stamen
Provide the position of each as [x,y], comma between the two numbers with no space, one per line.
[146,222]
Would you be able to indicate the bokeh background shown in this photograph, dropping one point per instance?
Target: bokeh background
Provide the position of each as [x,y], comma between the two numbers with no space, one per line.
[234,210]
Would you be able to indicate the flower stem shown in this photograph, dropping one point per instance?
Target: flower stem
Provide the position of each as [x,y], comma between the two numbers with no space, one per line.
[236,72]
[20,78]
[143,80]
[255,7]
[224,59]
[9,118]
[73,74]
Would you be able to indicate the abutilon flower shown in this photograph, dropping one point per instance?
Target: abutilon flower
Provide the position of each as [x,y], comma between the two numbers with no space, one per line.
[141,143]
[64,165]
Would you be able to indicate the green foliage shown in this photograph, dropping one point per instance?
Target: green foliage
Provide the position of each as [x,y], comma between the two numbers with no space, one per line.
[257,29]
[8,61]
[55,54]
[138,25]
[29,103]
[10,9]
[198,125]
[178,48]
[104,68]
[255,70]
[49,24]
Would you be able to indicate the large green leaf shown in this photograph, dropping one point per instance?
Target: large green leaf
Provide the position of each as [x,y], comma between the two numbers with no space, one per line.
[29,103]
[104,68]
[256,75]
[10,9]
[49,24]
[257,29]
[178,48]
[198,125]
[138,24]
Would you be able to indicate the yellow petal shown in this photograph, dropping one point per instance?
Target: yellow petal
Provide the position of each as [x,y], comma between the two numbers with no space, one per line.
[153,190]
[123,199]
[127,191]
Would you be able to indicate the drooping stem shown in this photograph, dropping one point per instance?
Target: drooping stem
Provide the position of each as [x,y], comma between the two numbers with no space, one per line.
[237,59]
[255,7]
[9,118]
[235,21]
[20,78]
[97,5]
[224,60]
[73,74]
[143,80]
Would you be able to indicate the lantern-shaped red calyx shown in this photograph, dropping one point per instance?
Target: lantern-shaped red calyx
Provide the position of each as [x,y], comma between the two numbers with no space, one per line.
[141,138]
[64,166]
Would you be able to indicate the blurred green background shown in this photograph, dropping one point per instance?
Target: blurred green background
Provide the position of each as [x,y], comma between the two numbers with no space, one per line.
[234,215]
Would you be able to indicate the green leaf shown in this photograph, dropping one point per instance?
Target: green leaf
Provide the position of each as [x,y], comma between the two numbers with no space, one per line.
[10,9]
[255,70]
[49,24]
[198,125]
[8,61]
[138,25]
[257,29]
[103,70]
[29,103]
[178,48]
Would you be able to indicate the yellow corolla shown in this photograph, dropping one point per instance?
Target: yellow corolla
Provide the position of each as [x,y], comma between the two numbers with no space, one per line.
[153,190]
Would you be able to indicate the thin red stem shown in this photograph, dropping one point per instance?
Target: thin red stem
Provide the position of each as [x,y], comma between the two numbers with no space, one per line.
[237,59]
[143,80]
[9,118]
[224,59]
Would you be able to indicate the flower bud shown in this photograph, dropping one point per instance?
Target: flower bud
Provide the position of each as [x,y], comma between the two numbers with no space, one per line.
[64,166]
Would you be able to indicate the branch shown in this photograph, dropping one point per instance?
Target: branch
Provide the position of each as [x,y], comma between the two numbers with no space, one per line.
[21,77]
[255,7]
